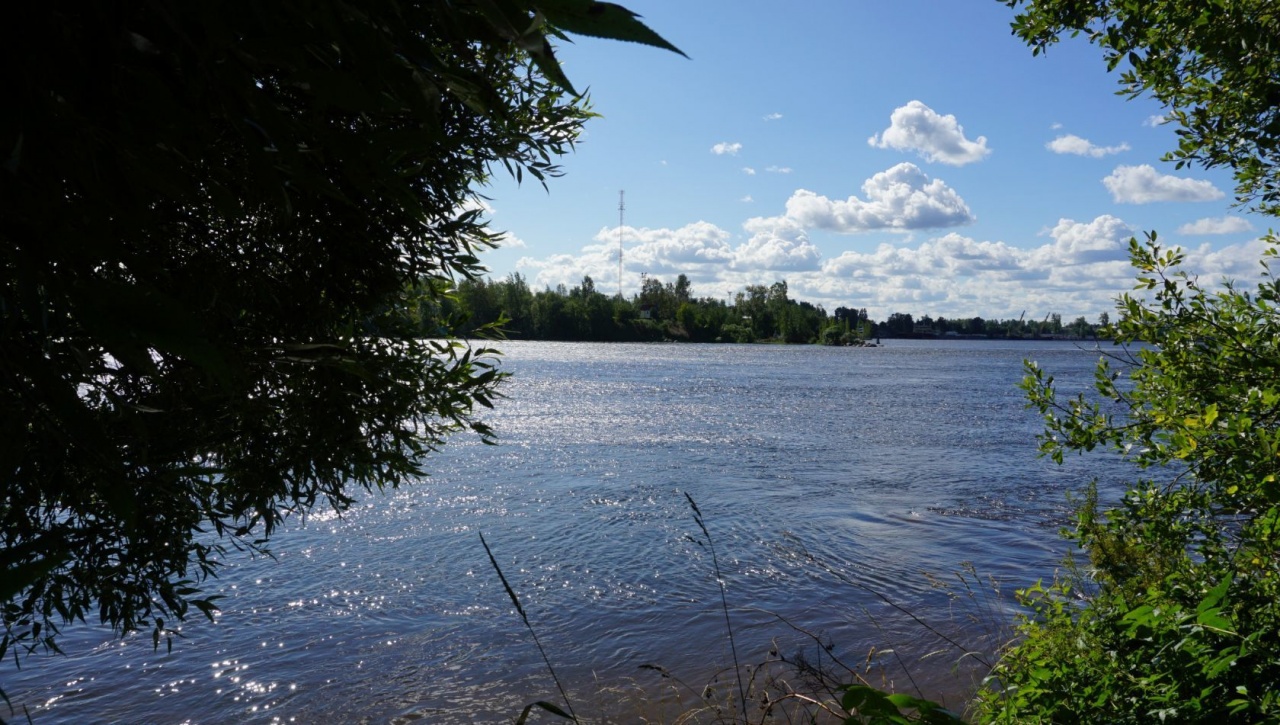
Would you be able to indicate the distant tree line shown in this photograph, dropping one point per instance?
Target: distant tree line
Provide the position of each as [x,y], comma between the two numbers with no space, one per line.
[1052,327]
[670,311]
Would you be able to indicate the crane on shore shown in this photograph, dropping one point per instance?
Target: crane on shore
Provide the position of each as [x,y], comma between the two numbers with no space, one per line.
[1009,330]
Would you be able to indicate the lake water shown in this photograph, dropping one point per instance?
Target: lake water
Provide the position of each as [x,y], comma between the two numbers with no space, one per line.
[829,478]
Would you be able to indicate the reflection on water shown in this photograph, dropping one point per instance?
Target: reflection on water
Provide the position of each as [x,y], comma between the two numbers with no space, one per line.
[827,476]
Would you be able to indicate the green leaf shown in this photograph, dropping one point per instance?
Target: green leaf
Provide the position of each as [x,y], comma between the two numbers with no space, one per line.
[1214,596]
[549,707]
[602,20]
[880,707]
[543,55]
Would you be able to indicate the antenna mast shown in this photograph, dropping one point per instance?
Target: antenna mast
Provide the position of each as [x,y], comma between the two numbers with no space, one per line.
[622,207]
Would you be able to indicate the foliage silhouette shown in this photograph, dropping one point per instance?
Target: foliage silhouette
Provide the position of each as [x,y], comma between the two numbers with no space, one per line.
[216,219]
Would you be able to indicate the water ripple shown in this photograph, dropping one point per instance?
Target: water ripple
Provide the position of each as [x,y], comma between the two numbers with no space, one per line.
[838,486]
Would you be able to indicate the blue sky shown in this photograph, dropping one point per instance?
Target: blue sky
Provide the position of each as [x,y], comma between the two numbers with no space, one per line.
[905,156]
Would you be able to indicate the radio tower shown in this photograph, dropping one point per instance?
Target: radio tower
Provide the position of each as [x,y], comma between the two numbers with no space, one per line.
[622,207]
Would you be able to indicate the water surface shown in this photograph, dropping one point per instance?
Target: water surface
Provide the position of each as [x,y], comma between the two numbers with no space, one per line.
[888,466]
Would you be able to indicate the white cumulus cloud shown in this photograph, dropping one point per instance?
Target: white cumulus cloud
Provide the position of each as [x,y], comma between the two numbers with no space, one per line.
[779,169]
[1078,270]
[700,250]
[724,148]
[1072,144]
[511,241]
[901,198]
[916,127]
[1238,262]
[773,116]
[1143,184]
[1105,239]
[672,250]
[748,171]
[956,276]
[776,243]
[1223,225]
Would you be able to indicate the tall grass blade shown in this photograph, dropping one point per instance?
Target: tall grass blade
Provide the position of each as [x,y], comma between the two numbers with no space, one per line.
[520,609]
[724,600]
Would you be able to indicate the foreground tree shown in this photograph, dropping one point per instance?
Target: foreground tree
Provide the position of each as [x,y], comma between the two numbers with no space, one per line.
[1180,591]
[216,221]
[1174,615]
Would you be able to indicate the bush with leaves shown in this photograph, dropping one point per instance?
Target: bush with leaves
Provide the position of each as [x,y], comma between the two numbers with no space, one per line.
[1176,615]
[1173,613]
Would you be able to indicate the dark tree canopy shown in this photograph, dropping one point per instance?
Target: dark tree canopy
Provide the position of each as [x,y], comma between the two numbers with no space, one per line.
[213,216]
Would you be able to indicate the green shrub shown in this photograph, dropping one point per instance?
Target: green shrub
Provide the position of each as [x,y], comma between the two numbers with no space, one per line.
[1175,619]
